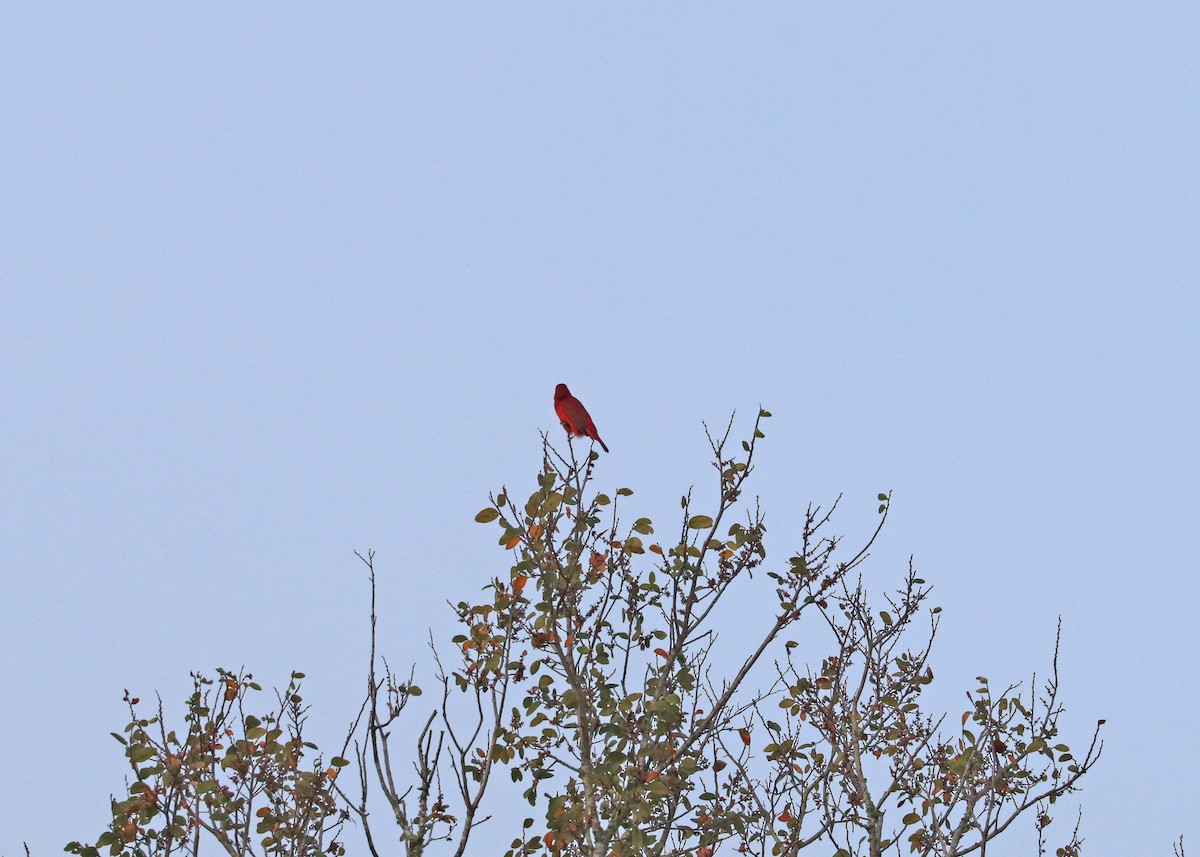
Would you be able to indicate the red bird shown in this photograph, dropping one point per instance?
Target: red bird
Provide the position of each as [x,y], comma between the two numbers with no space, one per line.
[574,416]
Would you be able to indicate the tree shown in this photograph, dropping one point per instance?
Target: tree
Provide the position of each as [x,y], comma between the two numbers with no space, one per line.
[228,777]
[593,671]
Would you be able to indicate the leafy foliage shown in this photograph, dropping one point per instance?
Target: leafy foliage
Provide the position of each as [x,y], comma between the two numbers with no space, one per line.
[595,673]
[237,778]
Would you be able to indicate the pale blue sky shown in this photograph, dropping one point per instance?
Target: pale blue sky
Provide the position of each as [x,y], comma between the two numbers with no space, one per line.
[283,282]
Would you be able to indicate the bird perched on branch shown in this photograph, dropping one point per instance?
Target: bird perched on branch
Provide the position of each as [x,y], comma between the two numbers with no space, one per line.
[574,416]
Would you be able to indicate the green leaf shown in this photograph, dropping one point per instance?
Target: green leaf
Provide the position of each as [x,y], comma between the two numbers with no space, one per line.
[624,492]
[700,522]
[486,516]
[764,413]
[602,499]
[883,498]
[139,753]
[643,526]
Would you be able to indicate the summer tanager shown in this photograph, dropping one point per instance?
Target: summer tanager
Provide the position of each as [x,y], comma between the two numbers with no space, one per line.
[574,416]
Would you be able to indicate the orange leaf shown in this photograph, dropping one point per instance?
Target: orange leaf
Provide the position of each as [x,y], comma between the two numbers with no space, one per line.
[519,583]
[652,776]
[726,554]
[656,549]
[332,773]
[966,714]
[745,736]
[535,532]
[263,811]
[662,653]
[512,543]
[785,816]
